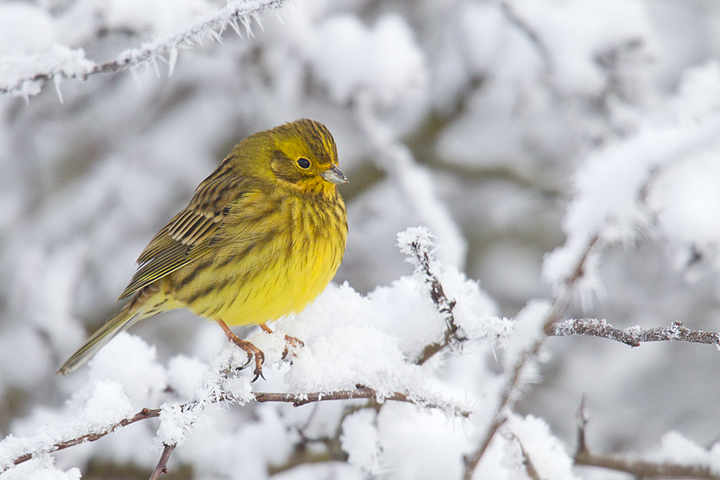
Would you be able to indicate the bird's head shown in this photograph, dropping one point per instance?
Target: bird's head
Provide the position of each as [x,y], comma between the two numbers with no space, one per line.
[305,157]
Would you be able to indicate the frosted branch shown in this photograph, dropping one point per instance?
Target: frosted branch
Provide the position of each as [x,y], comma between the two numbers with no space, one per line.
[571,265]
[633,336]
[143,414]
[295,399]
[507,397]
[417,244]
[24,76]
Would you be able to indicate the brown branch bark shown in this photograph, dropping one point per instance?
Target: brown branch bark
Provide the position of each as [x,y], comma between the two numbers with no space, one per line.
[633,336]
[260,397]
[162,463]
[641,468]
[143,414]
[636,467]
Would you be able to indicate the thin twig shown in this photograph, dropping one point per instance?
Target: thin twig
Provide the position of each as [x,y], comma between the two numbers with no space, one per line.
[636,467]
[642,468]
[558,309]
[296,399]
[162,463]
[423,262]
[143,414]
[512,16]
[633,336]
[530,469]
[155,49]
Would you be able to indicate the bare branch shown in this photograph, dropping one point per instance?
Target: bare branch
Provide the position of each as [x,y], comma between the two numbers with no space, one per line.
[512,16]
[643,469]
[635,467]
[162,463]
[530,469]
[633,336]
[558,309]
[297,399]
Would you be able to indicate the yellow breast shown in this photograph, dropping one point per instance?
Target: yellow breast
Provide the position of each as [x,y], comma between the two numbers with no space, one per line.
[281,260]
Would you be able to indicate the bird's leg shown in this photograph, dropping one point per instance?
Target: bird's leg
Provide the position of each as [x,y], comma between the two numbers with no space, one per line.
[293,341]
[247,347]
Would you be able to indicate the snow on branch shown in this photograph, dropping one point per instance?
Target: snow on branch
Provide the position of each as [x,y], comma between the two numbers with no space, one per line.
[609,210]
[633,336]
[24,76]
[610,205]
[107,409]
[529,352]
[417,244]
[178,419]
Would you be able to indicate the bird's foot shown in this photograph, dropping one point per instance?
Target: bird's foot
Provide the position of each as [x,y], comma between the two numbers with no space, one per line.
[248,347]
[289,341]
[293,342]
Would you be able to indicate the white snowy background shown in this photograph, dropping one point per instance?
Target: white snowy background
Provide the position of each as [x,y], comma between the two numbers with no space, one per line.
[521,133]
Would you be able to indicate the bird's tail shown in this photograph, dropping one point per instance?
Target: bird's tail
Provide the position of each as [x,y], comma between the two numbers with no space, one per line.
[119,323]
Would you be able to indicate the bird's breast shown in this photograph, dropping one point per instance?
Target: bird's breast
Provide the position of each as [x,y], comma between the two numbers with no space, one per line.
[274,268]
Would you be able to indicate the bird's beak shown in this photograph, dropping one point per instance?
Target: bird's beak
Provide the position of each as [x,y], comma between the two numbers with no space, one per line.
[334,176]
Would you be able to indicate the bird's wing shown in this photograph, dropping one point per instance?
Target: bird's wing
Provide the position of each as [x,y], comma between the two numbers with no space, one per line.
[188,235]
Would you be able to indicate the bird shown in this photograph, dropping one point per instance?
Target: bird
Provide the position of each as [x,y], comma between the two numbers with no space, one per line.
[262,237]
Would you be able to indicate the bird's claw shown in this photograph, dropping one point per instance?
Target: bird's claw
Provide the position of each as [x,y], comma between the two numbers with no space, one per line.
[247,347]
[294,342]
[253,353]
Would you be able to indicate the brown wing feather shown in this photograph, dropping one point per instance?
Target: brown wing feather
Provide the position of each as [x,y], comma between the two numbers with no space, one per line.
[187,236]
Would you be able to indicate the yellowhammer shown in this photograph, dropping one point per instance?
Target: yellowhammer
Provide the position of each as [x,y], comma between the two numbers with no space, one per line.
[262,237]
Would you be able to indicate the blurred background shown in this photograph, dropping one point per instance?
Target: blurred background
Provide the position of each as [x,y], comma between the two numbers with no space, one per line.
[486,109]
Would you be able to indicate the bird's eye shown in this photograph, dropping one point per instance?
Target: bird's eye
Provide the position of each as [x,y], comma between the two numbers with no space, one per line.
[303,163]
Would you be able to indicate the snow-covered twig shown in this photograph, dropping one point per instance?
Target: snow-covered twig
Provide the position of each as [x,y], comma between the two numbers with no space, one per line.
[633,336]
[507,396]
[593,221]
[143,414]
[24,76]
[417,244]
[259,397]
[636,467]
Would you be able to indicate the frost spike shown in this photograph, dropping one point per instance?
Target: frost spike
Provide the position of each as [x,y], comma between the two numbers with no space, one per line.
[215,35]
[246,23]
[172,60]
[157,69]
[56,80]
[259,22]
[236,27]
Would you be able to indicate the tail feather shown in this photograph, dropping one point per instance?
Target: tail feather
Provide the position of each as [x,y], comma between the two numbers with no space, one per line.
[119,323]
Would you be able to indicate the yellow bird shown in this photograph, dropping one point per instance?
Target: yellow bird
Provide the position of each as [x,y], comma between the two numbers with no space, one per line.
[261,238]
